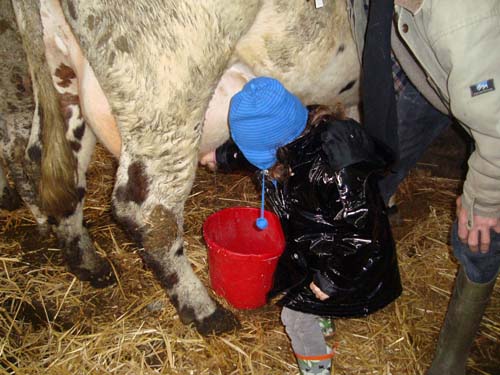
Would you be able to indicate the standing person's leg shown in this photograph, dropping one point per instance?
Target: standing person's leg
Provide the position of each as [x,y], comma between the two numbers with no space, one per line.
[314,357]
[419,123]
[472,290]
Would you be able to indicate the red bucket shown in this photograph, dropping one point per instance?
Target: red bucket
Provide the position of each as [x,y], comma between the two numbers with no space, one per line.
[241,257]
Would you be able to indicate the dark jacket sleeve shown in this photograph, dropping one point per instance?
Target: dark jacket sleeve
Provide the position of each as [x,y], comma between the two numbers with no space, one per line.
[230,158]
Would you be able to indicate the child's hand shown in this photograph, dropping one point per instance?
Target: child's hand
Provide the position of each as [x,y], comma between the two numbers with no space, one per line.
[318,292]
[208,160]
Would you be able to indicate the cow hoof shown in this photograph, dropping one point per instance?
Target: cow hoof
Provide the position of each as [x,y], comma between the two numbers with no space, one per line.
[98,278]
[220,321]
[10,200]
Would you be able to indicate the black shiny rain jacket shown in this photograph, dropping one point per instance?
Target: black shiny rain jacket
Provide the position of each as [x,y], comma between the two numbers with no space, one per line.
[336,228]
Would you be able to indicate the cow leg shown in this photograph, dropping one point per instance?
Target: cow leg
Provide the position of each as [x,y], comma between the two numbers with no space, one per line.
[19,121]
[157,228]
[78,249]
[15,98]
[21,152]
[79,252]
[59,148]
[9,199]
[159,65]
[5,192]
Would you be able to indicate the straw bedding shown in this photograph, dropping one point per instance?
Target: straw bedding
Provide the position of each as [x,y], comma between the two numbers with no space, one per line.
[51,323]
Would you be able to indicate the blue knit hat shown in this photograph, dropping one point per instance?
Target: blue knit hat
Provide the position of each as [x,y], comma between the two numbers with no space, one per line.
[264,116]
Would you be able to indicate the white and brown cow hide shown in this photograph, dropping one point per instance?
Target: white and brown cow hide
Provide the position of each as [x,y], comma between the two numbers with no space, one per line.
[139,75]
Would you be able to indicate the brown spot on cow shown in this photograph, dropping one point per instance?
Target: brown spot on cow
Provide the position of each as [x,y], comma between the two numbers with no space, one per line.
[170,280]
[153,262]
[137,187]
[52,220]
[341,48]
[4,26]
[17,152]
[180,251]
[9,199]
[349,86]
[81,193]
[122,44]
[75,146]
[66,101]
[72,254]
[79,132]
[22,85]
[104,38]
[72,10]
[175,301]
[65,74]
[67,113]
[111,58]
[91,22]
[85,265]
[22,82]
[11,107]
[186,314]
[35,153]
[161,230]
[41,118]
[121,193]
[69,211]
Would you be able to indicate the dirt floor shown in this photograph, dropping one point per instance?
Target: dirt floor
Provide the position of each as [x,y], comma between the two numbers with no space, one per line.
[53,324]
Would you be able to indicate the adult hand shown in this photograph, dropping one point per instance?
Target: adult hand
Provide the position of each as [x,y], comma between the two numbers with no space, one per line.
[318,292]
[477,236]
[208,160]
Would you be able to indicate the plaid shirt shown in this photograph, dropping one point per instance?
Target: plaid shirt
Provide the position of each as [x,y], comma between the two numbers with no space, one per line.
[399,77]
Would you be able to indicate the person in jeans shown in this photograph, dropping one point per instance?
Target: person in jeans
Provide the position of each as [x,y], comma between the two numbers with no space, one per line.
[442,58]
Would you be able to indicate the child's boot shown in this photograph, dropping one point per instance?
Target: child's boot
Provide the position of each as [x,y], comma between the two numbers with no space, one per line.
[315,364]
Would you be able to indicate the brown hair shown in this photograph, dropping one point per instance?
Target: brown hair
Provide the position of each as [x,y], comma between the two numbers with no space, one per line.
[317,113]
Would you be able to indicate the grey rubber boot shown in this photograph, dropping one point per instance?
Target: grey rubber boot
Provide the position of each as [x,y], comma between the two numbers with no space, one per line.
[466,308]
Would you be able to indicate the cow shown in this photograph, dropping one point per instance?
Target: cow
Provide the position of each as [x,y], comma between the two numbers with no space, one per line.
[151,80]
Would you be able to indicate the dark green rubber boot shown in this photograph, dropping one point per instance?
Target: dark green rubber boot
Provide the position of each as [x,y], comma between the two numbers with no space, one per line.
[466,308]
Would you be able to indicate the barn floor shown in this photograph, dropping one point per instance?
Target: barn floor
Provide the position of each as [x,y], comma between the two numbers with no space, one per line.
[50,323]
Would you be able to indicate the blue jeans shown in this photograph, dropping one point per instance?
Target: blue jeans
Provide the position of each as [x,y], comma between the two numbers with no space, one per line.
[479,268]
[419,123]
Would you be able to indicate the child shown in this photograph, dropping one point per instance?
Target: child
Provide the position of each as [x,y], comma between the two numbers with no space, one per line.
[320,176]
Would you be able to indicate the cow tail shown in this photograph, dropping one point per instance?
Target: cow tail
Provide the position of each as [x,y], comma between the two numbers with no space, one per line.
[58,184]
